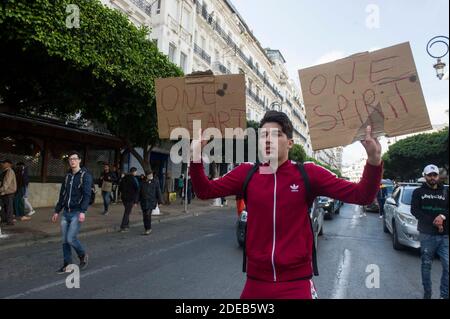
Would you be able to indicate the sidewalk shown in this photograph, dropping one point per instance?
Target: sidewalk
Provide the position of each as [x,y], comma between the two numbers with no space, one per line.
[40,229]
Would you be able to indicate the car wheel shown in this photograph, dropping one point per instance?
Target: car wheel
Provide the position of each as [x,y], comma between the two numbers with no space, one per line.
[395,243]
[385,229]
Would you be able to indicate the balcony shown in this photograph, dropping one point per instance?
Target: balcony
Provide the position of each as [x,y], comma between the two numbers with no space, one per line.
[201,10]
[143,5]
[255,97]
[202,54]
[221,68]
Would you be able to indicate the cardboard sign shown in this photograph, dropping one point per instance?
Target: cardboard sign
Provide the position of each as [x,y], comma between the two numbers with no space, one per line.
[218,101]
[380,88]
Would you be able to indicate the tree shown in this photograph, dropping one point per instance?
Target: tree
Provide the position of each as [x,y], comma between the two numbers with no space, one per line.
[406,159]
[297,153]
[102,71]
[326,166]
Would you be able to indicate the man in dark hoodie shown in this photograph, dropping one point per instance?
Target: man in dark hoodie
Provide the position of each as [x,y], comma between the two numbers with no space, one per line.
[129,189]
[149,197]
[74,198]
[430,206]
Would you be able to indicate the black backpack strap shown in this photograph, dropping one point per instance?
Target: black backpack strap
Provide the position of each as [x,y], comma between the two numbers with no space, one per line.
[302,170]
[244,196]
[249,176]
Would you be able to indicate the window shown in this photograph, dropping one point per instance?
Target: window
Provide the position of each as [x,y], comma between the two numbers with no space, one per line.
[183,62]
[217,55]
[172,51]
[186,19]
[158,7]
[229,66]
[202,42]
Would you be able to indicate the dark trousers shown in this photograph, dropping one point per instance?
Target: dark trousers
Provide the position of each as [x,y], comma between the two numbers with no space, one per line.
[8,208]
[147,214]
[126,214]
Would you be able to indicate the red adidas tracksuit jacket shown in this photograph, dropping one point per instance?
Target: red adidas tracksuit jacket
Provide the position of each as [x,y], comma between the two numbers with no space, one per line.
[279,237]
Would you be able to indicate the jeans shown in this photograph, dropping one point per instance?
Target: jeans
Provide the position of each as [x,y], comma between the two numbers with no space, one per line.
[114,193]
[19,206]
[8,208]
[106,200]
[70,226]
[431,245]
[126,214]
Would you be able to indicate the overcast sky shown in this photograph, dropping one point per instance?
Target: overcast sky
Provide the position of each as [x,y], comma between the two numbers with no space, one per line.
[312,32]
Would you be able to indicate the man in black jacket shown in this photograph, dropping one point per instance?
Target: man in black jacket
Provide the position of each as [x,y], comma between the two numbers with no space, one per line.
[129,190]
[150,196]
[430,206]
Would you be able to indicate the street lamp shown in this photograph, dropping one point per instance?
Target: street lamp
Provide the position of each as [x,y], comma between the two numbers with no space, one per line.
[439,66]
[275,106]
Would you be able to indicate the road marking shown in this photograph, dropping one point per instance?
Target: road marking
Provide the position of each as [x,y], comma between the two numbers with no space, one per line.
[57,283]
[62,282]
[341,282]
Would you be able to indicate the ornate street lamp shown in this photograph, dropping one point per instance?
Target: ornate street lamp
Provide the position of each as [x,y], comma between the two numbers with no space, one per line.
[439,66]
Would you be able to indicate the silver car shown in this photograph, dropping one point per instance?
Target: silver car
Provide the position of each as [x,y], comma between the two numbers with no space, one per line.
[398,219]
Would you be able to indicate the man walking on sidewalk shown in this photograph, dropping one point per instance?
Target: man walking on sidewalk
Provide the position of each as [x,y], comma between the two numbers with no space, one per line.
[74,198]
[279,242]
[129,190]
[429,205]
[150,196]
[106,181]
[8,188]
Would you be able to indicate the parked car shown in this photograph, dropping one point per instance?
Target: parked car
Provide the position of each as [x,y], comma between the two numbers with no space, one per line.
[316,214]
[398,219]
[329,205]
[241,226]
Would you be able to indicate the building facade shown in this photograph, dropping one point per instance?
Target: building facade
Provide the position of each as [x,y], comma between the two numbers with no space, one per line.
[212,35]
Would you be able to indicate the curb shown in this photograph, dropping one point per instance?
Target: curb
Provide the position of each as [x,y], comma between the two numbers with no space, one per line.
[52,238]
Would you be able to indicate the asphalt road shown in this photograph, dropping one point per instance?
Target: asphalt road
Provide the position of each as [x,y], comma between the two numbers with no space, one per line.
[198,257]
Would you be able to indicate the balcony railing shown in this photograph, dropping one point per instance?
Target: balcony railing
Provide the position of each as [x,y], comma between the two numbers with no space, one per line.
[255,97]
[202,54]
[201,10]
[221,68]
[143,5]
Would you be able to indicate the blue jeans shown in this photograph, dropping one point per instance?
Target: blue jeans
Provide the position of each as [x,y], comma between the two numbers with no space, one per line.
[70,226]
[429,246]
[106,200]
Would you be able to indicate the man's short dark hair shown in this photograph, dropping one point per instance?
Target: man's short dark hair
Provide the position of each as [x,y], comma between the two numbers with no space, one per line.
[74,153]
[133,169]
[280,118]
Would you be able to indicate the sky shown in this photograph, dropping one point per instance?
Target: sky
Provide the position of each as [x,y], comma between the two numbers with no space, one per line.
[311,32]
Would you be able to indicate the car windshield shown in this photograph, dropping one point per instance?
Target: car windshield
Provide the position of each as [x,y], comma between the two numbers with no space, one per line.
[407,195]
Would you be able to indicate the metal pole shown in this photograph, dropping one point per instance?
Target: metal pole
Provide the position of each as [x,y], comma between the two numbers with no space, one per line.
[186,189]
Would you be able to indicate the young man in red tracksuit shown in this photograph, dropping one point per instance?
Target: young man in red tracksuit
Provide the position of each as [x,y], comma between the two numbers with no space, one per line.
[279,236]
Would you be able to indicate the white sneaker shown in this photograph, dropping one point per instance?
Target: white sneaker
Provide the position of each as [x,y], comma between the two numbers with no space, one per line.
[31,213]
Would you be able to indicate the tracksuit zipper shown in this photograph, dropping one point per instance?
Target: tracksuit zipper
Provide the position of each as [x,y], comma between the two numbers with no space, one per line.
[274,227]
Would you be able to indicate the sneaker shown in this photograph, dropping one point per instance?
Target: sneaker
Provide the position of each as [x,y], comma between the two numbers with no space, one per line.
[381,217]
[147,232]
[427,295]
[124,230]
[105,213]
[31,213]
[84,261]
[25,218]
[62,270]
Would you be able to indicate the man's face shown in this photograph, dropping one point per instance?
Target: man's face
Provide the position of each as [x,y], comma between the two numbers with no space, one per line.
[74,161]
[106,168]
[432,179]
[274,141]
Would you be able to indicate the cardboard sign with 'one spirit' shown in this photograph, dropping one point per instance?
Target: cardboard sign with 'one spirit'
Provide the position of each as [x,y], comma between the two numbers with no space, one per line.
[380,88]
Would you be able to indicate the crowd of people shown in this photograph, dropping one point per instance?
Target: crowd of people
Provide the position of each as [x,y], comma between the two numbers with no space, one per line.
[14,183]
